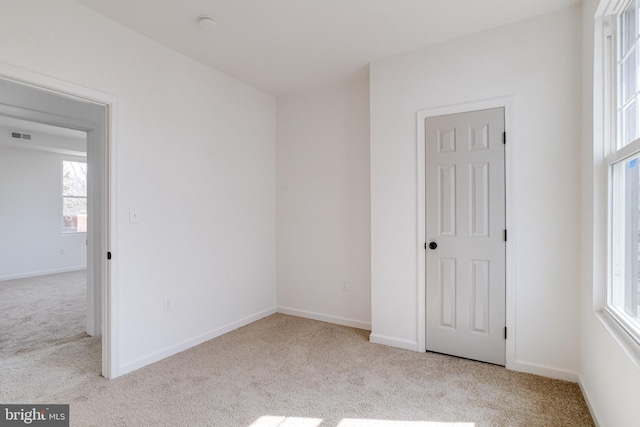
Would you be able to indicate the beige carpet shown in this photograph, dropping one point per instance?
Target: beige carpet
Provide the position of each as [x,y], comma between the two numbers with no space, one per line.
[42,311]
[281,371]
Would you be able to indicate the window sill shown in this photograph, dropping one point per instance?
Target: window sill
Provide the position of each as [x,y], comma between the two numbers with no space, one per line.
[628,344]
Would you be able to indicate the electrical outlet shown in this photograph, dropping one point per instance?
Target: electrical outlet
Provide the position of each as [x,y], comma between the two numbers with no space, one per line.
[167,304]
[63,251]
[345,286]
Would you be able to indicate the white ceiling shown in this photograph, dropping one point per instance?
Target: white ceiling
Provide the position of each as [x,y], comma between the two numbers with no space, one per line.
[20,125]
[287,46]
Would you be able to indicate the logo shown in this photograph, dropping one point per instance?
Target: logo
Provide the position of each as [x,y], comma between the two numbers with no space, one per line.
[34,415]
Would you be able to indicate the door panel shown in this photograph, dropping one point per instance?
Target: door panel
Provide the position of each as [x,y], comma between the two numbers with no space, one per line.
[465,216]
[447,200]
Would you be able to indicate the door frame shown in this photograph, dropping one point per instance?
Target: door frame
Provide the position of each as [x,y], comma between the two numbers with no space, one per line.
[106,226]
[510,303]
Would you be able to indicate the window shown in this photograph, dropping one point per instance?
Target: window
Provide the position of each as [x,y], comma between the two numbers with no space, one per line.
[74,197]
[627,66]
[623,162]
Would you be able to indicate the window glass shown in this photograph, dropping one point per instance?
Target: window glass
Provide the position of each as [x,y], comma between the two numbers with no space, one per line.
[629,124]
[74,197]
[628,27]
[625,288]
[627,65]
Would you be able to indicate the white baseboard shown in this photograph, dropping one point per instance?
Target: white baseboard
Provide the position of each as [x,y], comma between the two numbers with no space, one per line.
[520,366]
[192,342]
[543,370]
[325,318]
[42,273]
[587,399]
[394,342]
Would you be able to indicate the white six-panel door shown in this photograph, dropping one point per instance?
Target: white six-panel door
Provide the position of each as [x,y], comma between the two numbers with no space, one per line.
[465,218]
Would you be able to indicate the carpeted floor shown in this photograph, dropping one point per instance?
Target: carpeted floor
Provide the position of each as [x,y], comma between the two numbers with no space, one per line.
[42,311]
[280,371]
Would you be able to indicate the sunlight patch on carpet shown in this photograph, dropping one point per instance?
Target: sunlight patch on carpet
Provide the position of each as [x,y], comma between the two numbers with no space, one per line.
[274,421]
[270,421]
[348,422]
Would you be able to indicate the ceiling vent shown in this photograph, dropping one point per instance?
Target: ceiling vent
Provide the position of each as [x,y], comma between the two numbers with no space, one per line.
[18,135]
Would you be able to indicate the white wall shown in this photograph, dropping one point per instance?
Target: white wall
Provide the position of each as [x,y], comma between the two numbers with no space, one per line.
[609,371]
[31,214]
[195,158]
[323,220]
[537,63]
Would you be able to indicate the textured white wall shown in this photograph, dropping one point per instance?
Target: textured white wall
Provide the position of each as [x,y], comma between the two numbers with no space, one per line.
[196,159]
[537,63]
[31,215]
[323,220]
[609,369]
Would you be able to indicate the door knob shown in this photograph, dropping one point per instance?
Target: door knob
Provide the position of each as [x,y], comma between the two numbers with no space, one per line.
[433,245]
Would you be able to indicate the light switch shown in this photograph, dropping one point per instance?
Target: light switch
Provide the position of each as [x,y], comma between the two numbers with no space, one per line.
[134,218]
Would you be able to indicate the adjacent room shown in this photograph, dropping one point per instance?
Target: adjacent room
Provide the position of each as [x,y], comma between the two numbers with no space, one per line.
[321,213]
[43,278]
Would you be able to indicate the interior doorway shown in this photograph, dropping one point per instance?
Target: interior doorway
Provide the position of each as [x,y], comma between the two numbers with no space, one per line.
[34,98]
[465,230]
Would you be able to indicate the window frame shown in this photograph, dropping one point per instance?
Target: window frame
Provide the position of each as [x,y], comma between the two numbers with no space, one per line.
[63,196]
[615,152]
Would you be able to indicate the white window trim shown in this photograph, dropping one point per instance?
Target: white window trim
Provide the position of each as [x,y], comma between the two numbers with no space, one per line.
[606,154]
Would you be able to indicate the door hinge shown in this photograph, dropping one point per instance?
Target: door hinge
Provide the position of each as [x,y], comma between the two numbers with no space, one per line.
[504,137]
[505,235]
[505,332]
[108,255]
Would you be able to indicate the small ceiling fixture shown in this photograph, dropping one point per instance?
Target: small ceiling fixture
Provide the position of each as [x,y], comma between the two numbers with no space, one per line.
[207,22]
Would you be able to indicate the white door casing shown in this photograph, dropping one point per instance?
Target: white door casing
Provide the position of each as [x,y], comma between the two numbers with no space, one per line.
[465,217]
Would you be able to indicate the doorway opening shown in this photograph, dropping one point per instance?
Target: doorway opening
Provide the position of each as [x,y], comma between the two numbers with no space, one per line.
[43,279]
[40,101]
